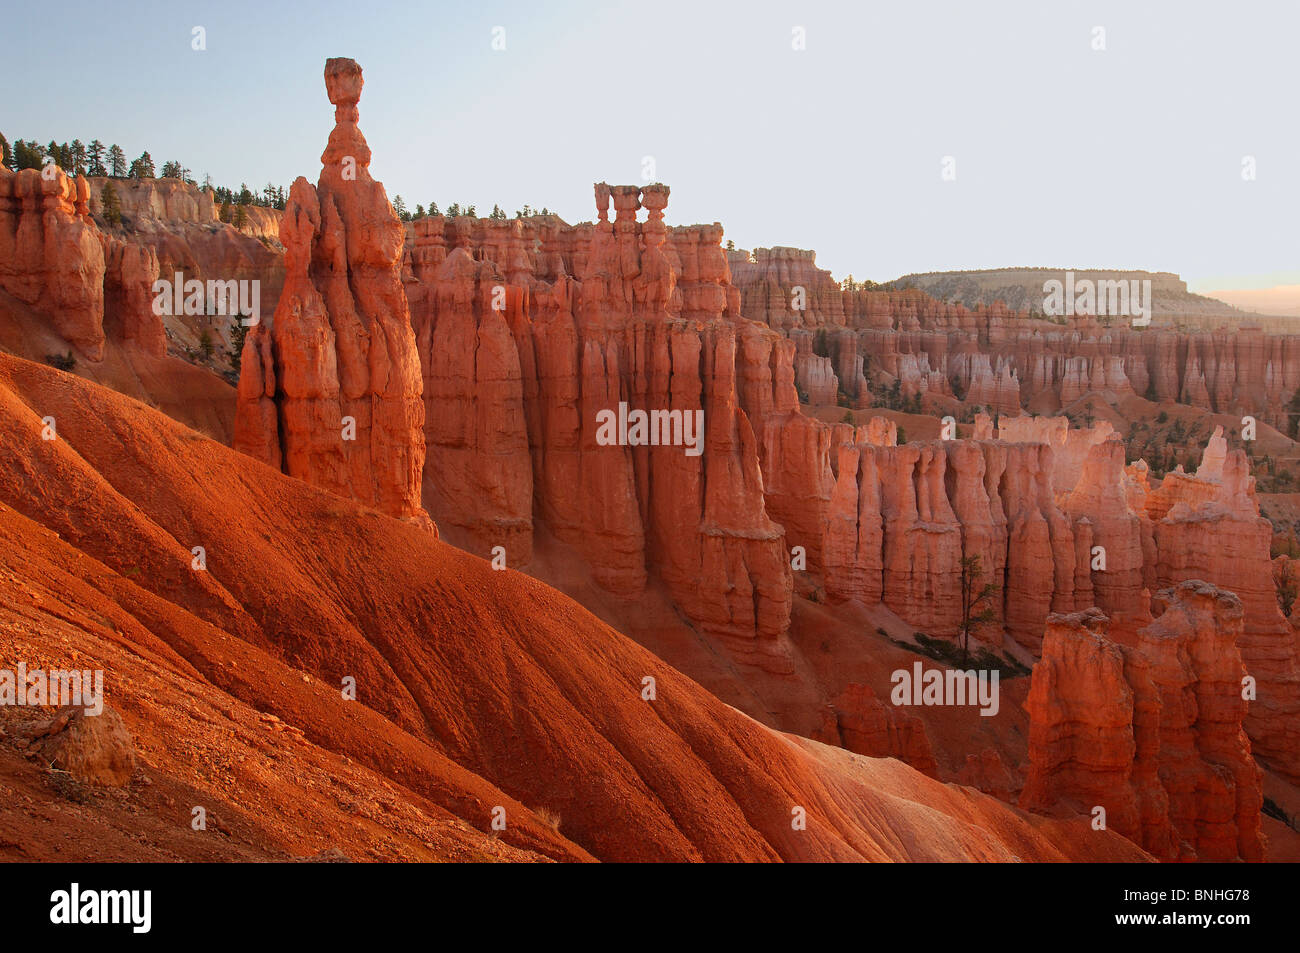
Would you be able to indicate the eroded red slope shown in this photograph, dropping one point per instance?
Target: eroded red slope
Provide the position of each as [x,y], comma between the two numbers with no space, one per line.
[470,682]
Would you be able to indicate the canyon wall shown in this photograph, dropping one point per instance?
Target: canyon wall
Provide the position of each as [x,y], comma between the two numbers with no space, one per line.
[50,253]
[95,284]
[1149,732]
[149,204]
[179,223]
[567,324]
[564,322]
[1207,526]
[1003,360]
[899,520]
[92,286]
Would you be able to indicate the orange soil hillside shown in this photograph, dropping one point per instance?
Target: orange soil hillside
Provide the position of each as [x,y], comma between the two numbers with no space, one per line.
[475,688]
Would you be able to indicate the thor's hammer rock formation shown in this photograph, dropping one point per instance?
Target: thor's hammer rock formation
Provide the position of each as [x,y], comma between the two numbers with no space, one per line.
[331,392]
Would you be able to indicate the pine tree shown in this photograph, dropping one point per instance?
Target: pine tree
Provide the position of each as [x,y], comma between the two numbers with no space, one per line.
[112,206]
[28,155]
[171,170]
[433,208]
[6,154]
[238,331]
[96,155]
[1287,591]
[78,157]
[117,161]
[976,600]
[241,216]
[1293,414]
[225,214]
[399,207]
[142,168]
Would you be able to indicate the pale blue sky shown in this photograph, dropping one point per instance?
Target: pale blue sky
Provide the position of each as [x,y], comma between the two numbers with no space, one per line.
[1064,156]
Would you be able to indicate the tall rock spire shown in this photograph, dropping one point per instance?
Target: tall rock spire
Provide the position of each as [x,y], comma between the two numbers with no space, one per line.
[331,391]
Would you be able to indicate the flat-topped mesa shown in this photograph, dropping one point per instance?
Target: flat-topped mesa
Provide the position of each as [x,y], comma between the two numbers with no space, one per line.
[331,391]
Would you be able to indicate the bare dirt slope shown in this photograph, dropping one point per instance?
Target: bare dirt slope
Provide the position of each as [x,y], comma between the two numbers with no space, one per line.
[475,688]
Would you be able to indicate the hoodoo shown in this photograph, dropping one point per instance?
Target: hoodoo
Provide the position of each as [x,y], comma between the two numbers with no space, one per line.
[331,391]
[1148,738]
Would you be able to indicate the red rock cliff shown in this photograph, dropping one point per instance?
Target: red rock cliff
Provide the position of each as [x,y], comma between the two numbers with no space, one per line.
[50,254]
[1153,732]
[566,324]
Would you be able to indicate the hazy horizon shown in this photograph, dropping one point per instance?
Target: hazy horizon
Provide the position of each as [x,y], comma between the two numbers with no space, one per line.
[1064,155]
